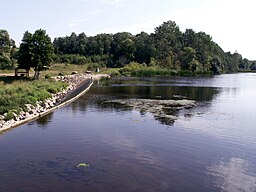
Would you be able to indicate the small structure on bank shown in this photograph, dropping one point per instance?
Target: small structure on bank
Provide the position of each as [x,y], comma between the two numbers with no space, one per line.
[22,72]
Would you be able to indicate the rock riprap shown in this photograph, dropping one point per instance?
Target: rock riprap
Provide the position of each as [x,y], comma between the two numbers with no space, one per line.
[41,107]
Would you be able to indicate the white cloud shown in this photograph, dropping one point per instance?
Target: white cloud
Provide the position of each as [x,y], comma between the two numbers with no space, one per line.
[230,23]
[116,3]
[95,13]
[73,24]
[234,176]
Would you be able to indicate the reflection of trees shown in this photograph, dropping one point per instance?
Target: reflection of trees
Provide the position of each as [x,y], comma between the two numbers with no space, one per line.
[98,94]
[80,104]
[165,92]
[43,121]
[165,87]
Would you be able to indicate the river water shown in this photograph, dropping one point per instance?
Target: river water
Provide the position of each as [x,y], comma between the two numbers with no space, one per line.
[211,147]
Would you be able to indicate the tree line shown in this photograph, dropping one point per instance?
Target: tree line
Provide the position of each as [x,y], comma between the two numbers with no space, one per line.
[168,47]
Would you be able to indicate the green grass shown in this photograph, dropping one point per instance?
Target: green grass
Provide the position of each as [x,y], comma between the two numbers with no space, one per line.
[55,69]
[111,71]
[65,69]
[15,93]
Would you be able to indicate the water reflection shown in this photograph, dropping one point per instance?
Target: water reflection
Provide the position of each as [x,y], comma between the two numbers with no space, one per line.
[99,94]
[210,148]
[234,176]
[43,121]
[155,91]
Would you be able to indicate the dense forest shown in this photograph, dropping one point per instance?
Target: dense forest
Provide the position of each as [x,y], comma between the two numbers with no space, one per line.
[168,47]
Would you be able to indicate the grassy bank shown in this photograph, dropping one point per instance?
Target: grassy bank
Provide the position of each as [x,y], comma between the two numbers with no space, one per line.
[55,69]
[65,69]
[14,93]
[133,69]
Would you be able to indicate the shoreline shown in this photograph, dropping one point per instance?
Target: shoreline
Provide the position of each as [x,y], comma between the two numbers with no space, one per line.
[56,102]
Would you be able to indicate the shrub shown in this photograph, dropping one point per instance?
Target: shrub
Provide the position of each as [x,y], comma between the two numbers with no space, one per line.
[71,59]
[105,81]
[127,70]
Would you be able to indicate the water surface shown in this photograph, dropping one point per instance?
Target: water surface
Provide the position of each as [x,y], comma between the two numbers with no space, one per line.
[209,148]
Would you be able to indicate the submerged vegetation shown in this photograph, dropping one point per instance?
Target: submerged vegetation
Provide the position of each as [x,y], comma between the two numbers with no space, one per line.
[14,94]
[163,110]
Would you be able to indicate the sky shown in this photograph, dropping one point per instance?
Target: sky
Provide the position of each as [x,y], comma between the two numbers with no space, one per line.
[230,23]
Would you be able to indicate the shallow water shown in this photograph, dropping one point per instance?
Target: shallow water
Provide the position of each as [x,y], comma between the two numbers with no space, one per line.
[209,148]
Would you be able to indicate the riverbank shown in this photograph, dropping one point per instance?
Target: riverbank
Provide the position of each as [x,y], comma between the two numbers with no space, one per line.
[56,101]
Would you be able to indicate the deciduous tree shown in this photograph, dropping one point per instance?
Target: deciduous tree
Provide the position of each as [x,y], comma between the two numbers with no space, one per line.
[7,47]
[35,51]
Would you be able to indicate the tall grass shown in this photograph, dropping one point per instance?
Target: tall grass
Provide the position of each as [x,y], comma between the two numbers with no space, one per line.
[15,95]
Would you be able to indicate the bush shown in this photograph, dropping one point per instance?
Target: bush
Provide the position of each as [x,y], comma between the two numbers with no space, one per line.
[127,70]
[93,66]
[6,62]
[253,67]
[81,60]
[137,70]
[105,81]
[71,59]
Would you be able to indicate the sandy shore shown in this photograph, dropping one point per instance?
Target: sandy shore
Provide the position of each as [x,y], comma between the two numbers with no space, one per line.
[42,108]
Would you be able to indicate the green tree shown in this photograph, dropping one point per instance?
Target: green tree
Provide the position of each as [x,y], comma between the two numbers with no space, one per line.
[167,39]
[123,48]
[234,61]
[25,53]
[73,43]
[5,42]
[82,41]
[245,64]
[253,66]
[7,47]
[144,48]
[188,59]
[189,38]
[60,45]
[216,66]
[99,44]
[36,51]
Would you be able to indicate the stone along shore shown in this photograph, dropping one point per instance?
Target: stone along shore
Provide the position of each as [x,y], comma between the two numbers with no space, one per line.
[58,100]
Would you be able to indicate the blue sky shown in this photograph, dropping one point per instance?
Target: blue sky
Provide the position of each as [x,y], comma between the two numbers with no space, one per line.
[230,22]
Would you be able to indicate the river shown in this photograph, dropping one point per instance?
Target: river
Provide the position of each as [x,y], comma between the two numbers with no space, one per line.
[211,147]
